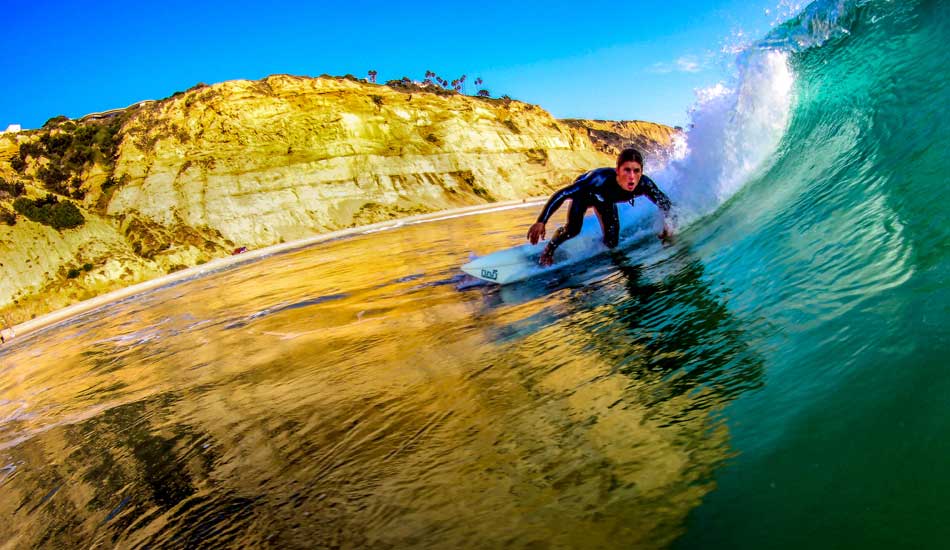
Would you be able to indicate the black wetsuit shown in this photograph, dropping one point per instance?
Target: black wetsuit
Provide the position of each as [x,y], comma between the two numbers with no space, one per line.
[598,189]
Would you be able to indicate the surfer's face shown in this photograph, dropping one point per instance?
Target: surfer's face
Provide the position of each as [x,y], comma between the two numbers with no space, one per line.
[628,174]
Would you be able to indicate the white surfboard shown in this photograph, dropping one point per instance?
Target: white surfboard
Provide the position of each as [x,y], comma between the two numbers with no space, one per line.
[521,262]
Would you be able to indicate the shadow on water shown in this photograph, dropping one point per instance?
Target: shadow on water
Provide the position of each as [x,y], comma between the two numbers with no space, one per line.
[665,311]
[698,341]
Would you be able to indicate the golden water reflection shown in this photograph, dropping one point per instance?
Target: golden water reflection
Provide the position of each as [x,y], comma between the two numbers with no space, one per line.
[350,395]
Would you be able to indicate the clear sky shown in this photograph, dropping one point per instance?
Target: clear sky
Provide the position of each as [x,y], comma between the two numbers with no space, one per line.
[639,59]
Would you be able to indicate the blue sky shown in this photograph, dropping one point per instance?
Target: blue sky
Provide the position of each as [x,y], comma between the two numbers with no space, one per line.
[609,60]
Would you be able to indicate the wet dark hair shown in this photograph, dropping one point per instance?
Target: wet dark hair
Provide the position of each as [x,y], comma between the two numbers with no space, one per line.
[629,154]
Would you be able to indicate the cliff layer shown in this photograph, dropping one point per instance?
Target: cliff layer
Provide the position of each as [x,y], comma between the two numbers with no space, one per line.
[656,141]
[169,184]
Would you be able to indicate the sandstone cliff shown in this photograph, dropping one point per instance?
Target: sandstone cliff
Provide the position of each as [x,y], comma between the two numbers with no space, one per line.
[654,140]
[169,184]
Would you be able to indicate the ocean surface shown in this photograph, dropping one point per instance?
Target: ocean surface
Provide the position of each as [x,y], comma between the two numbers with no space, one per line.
[778,377]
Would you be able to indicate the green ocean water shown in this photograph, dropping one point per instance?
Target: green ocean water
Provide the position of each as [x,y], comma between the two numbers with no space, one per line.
[842,246]
[776,378]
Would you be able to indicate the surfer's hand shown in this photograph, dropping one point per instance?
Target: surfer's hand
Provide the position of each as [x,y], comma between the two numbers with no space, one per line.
[536,232]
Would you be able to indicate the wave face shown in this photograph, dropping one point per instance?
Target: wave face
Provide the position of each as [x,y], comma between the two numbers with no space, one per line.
[818,183]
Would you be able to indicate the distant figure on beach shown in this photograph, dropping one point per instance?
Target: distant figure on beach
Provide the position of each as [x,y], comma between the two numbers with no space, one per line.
[601,189]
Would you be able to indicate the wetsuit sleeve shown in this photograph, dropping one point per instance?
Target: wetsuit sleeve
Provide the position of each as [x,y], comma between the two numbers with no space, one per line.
[560,196]
[657,197]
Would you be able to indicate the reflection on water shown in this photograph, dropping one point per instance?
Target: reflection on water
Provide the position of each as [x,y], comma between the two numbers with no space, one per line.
[352,395]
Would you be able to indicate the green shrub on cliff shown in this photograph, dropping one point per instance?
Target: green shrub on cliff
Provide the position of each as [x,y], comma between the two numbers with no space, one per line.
[50,211]
[69,149]
[54,178]
[55,121]
[7,217]
[18,164]
[11,189]
[74,272]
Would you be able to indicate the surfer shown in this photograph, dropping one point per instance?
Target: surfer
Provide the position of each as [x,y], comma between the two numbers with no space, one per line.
[602,189]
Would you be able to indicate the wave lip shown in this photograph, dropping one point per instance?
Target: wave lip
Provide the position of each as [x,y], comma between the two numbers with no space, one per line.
[734,133]
[819,22]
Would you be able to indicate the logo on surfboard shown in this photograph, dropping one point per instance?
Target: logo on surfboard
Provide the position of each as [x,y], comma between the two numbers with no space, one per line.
[490,274]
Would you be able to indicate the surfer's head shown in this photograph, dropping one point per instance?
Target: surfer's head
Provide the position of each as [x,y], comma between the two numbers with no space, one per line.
[629,168]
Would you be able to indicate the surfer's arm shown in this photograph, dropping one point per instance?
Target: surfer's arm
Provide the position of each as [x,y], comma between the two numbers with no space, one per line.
[536,232]
[560,196]
[657,197]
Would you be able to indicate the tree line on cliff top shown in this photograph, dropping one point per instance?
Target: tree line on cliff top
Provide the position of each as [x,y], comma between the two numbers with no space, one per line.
[434,82]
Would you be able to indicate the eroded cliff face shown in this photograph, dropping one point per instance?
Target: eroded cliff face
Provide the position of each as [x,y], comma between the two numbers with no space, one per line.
[655,141]
[305,155]
[255,163]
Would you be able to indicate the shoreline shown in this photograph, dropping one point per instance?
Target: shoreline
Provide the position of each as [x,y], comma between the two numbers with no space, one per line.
[33,325]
